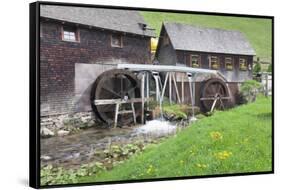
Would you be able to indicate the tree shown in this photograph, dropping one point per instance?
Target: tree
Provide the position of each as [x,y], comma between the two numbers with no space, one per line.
[269,69]
[257,67]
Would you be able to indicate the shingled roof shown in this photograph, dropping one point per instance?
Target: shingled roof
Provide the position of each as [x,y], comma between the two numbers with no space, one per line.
[195,38]
[112,19]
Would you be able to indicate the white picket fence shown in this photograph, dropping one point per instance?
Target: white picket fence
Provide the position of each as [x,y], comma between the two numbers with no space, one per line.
[266,80]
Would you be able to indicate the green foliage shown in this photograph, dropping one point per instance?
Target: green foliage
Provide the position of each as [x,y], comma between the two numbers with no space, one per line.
[178,111]
[175,110]
[113,156]
[257,68]
[249,90]
[220,144]
[57,175]
[269,69]
[257,30]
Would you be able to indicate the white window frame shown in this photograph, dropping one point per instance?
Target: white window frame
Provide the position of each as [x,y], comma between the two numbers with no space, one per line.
[74,32]
[217,61]
[198,60]
[245,62]
[120,39]
[232,63]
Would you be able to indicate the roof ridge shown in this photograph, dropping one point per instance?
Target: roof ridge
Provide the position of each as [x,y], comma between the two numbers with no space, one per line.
[201,26]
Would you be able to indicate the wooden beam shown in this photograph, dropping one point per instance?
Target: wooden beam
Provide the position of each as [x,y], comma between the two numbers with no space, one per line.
[118,101]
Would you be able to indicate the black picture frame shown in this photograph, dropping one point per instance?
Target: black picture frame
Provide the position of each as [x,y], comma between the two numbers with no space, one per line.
[34,98]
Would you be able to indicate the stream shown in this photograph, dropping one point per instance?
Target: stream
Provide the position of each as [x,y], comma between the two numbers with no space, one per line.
[73,150]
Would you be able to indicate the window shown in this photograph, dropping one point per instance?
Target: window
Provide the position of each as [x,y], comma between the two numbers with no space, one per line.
[229,63]
[116,41]
[195,61]
[214,62]
[242,64]
[70,34]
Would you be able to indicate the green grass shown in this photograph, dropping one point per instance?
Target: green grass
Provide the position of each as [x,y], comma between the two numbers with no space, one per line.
[233,141]
[258,31]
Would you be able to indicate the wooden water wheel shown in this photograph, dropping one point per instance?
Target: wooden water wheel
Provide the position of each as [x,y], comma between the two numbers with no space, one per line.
[214,95]
[115,86]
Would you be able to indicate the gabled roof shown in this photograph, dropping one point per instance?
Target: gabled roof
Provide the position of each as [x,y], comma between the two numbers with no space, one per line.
[111,19]
[195,38]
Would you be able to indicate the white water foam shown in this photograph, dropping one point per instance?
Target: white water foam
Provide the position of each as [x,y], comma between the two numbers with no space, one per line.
[156,126]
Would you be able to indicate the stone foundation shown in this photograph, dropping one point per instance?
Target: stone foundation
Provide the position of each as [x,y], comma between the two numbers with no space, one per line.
[60,125]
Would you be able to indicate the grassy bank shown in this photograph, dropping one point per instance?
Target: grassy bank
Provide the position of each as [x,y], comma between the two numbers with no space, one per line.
[258,31]
[234,141]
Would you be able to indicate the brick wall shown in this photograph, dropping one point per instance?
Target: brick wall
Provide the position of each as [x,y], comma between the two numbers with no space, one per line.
[58,58]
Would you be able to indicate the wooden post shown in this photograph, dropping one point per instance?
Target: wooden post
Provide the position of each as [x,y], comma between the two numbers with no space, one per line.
[170,88]
[116,115]
[142,98]
[134,113]
[157,88]
[193,91]
[266,84]
[147,89]
[182,88]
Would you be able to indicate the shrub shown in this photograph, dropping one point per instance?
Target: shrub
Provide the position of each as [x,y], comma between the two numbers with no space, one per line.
[257,68]
[269,69]
[249,90]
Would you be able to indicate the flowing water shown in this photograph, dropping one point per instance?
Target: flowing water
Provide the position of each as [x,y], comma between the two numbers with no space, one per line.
[73,150]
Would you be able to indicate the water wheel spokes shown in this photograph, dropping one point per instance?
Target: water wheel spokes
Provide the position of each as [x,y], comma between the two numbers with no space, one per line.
[115,85]
[214,95]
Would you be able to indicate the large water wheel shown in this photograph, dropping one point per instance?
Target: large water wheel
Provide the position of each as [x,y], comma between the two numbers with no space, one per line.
[113,85]
[214,95]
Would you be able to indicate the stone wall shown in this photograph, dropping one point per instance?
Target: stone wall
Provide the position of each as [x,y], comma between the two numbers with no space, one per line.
[60,125]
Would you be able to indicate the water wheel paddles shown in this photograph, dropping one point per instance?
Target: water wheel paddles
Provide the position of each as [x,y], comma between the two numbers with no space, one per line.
[115,84]
[214,94]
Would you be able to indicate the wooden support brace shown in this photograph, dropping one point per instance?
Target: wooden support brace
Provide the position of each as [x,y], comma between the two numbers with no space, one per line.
[176,87]
[214,103]
[165,84]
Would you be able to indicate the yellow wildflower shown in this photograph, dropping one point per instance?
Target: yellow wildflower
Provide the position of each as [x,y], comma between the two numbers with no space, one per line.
[216,135]
[223,155]
[150,169]
[201,165]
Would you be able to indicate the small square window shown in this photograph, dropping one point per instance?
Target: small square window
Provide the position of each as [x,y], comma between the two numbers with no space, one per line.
[195,61]
[116,41]
[229,63]
[242,64]
[70,34]
[214,62]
